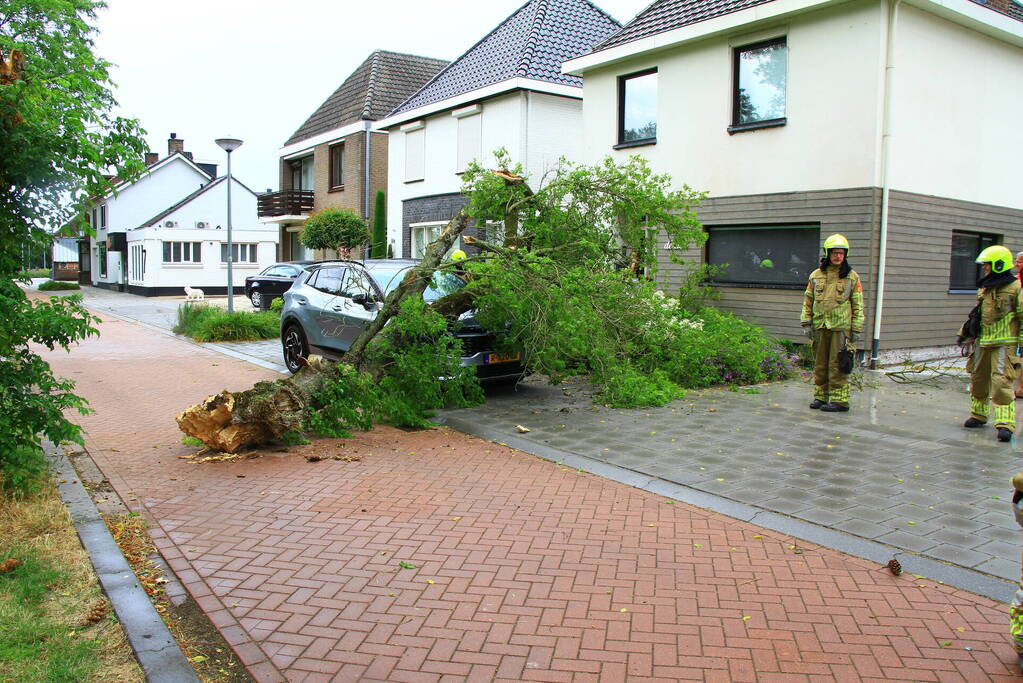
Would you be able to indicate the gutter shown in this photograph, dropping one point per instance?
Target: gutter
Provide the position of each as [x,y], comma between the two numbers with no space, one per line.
[886,164]
[367,135]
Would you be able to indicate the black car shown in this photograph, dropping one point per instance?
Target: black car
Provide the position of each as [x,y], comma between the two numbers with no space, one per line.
[273,282]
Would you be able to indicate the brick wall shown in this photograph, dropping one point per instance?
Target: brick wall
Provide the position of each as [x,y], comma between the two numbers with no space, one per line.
[439,207]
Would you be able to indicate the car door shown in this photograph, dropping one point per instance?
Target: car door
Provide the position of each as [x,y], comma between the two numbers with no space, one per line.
[360,303]
[279,279]
[331,307]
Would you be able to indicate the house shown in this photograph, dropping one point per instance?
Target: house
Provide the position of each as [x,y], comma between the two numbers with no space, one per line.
[335,159]
[168,230]
[890,122]
[506,91]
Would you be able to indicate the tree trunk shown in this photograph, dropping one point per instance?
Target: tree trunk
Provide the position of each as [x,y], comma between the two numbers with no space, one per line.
[229,422]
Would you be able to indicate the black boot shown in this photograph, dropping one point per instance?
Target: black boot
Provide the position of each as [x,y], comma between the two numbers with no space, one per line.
[973,423]
[834,408]
[816,404]
[1004,434]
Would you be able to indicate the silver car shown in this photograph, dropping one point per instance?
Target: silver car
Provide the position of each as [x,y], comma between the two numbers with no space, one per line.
[332,302]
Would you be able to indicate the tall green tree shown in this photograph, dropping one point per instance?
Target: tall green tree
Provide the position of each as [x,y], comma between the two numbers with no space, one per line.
[58,141]
[378,248]
[338,229]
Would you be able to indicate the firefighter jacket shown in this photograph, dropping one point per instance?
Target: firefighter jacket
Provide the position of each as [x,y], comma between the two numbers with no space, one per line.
[833,302]
[1001,309]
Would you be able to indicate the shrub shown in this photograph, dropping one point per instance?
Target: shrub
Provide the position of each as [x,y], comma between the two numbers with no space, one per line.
[57,285]
[36,272]
[378,248]
[277,306]
[206,323]
[338,229]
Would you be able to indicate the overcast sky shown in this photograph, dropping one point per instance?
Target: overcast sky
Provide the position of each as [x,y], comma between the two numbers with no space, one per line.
[257,69]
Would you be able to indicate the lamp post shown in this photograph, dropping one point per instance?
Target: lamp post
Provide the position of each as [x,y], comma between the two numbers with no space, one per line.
[229,145]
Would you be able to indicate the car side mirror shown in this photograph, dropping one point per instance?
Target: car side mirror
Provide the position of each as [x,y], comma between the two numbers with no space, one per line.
[364,300]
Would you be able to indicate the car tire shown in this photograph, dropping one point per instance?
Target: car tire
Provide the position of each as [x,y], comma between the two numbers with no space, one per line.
[256,298]
[294,347]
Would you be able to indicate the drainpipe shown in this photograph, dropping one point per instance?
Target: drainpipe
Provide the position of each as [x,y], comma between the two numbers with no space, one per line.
[365,171]
[886,164]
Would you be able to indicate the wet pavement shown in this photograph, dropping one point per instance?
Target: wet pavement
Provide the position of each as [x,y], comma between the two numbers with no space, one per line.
[899,469]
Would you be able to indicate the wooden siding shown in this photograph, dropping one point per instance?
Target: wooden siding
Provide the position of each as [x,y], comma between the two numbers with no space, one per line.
[851,212]
[918,310]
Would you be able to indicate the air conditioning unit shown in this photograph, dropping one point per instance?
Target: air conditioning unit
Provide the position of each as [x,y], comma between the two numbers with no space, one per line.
[170,224]
[202,225]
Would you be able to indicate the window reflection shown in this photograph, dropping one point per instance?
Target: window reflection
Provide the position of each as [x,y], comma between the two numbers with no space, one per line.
[638,107]
[760,82]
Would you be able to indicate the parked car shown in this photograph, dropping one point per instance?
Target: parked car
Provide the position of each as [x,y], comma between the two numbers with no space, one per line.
[331,303]
[273,282]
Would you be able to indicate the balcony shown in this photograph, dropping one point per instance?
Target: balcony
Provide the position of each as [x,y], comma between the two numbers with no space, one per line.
[284,203]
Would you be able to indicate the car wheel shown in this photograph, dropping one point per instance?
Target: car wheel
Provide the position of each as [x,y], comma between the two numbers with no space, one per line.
[295,348]
[256,298]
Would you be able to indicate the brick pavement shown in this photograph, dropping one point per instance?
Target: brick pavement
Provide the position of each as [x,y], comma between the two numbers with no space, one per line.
[524,569]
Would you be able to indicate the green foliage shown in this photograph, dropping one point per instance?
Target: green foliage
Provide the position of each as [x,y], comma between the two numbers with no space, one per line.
[58,141]
[378,248]
[191,441]
[294,438]
[34,644]
[57,286]
[206,323]
[418,371]
[35,272]
[338,229]
[277,306]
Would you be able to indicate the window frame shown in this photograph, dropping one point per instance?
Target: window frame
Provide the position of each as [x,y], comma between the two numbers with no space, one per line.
[101,258]
[336,170]
[240,247]
[992,239]
[622,142]
[194,249]
[794,285]
[737,51]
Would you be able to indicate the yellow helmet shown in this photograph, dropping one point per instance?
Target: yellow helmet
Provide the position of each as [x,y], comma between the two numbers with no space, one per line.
[998,256]
[836,241]
[458,255]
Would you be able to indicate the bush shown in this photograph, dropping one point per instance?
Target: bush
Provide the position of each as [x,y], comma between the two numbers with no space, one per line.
[206,323]
[338,229]
[277,306]
[36,272]
[57,285]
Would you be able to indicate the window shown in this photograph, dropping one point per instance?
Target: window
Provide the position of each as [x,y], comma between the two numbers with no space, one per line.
[772,255]
[637,108]
[101,256]
[182,252]
[415,154]
[302,174]
[424,233]
[241,253]
[963,270]
[337,166]
[327,280]
[103,216]
[759,82]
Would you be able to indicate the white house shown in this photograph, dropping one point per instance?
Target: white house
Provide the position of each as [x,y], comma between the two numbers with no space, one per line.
[893,122]
[505,91]
[168,230]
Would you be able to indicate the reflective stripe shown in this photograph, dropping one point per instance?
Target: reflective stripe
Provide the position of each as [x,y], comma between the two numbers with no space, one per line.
[1005,416]
[979,407]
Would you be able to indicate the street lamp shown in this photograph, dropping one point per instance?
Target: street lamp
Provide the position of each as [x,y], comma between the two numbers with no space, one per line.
[229,145]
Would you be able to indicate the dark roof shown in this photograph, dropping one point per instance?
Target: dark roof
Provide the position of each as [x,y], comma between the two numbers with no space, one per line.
[381,83]
[531,43]
[665,15]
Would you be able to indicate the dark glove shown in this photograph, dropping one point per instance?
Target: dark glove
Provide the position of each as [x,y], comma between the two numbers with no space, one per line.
[807,330]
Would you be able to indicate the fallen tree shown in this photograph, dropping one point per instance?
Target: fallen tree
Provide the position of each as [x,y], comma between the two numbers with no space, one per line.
[564,272]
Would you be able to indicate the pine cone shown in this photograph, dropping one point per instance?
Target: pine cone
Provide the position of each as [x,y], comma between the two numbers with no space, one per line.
[894,567]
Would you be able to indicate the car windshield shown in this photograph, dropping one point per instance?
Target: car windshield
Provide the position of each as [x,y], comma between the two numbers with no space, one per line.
[390,276]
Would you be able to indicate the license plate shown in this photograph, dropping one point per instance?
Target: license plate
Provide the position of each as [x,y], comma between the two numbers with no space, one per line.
[503,357]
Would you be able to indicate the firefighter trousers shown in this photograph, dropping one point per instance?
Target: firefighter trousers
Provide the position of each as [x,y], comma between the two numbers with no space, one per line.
[993,373]
[829,385]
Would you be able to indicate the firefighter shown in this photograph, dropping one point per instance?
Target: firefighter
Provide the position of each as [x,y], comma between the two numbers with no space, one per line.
[995,361]
[833,318]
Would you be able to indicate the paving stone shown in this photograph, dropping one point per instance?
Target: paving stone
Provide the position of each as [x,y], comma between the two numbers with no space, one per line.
[907,541]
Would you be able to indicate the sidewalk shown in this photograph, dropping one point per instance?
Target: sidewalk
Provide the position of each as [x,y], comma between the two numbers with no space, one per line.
[521,569]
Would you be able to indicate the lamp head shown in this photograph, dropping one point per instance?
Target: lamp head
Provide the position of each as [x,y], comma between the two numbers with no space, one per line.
[229,144]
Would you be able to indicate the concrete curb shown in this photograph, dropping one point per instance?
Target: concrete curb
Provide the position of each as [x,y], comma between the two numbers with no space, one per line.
[959,577]
[155,648]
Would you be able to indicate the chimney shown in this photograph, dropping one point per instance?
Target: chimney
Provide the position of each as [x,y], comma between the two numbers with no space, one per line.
[152,158]
[174,145]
